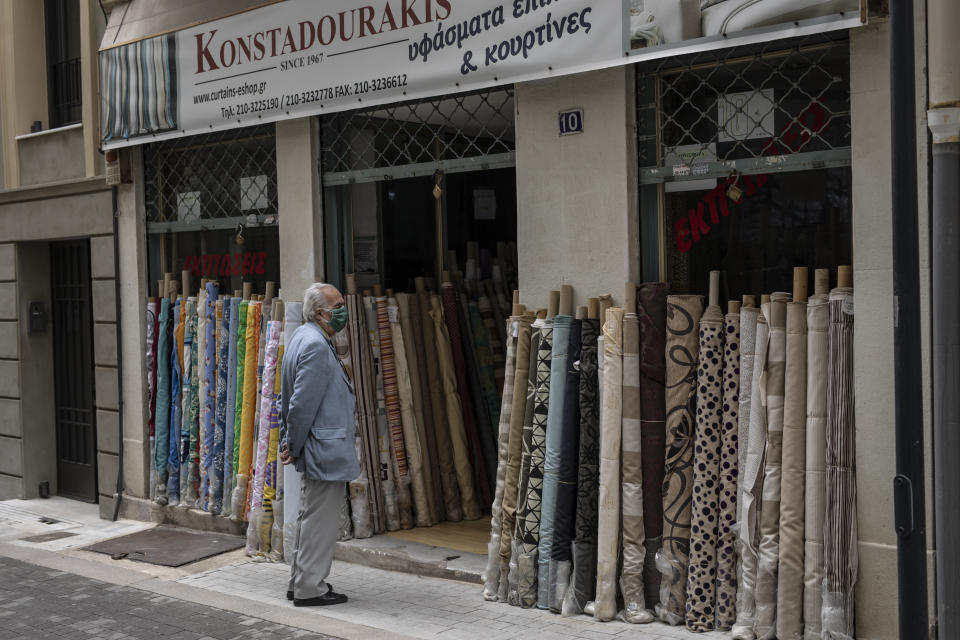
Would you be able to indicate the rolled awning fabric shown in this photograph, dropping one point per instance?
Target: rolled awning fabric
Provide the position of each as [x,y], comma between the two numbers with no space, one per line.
[683,317]
[818,342]
[583,581]
[840,521]
[608,531]
[551,459]
[652,311]
[751,483]
[701,576]
[411,432]
[769,549]
[416,369]
[457,432]
[491,576]
[790,569]
[391,395]
[729,453]
[565,513]
[437,404]
[632,533]
[530,510]
[515,449]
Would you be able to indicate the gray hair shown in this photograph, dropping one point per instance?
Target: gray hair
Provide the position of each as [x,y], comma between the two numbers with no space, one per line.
[315,297]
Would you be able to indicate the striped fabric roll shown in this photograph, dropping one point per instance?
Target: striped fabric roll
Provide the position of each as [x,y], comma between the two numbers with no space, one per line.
[391,393]
[387,480]
[138,88]
[840,523]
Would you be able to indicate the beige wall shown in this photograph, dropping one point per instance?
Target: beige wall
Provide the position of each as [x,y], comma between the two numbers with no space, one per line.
[577,217]
[873,330]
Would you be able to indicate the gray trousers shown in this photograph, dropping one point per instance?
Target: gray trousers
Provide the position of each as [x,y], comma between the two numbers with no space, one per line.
[318,526]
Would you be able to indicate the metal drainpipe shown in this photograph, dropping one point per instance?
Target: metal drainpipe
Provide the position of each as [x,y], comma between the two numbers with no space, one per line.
[943,119]
[119,325]
[909,480]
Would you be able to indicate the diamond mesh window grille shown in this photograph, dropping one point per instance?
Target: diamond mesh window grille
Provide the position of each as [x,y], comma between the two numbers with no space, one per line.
[445,133]
[213,180]
[753,108]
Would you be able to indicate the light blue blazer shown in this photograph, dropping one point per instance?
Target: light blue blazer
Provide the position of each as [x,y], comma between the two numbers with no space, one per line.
[317,408]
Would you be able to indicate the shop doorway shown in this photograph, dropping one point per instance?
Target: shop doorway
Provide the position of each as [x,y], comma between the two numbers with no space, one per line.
[71,319]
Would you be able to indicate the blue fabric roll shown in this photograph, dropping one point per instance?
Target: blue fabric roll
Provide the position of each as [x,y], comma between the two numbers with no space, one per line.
[162,420]
[220,419]
[231,404]
[176,406]
[210,385]
[551,461]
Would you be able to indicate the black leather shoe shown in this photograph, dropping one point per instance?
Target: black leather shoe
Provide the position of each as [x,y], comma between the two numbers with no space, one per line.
[290,595]
[326,599]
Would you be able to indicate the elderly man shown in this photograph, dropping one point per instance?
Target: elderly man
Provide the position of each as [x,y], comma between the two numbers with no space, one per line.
[316,416]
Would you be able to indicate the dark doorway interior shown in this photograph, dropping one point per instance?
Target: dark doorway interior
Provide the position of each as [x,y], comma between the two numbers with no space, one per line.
[71,319]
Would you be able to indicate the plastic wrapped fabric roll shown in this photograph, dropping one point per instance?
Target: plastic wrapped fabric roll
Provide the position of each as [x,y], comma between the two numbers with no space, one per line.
[245,451]
[480,446]
[683,317]
[530,509]
[241,339]
[365,507]
[411,431]
[292,319]
[270,486]
[161,452]
[553,444]
[491,576]
[391,396]
[454,412]
[228,441]
[608,532]
[818,327]
[434,392]
[750,486]
[202,388]
[388,481]
[151,362]
[208,396]
[263,437]
[729,453]
[412,342]
[702,571]
[765,625]
[652,311]
[583,581]
[565,514]
[176,407]
[790,561]
[190,411]
[523,470]
[840,520]
[220,412]
[483,354]
[521,384]
[631,446]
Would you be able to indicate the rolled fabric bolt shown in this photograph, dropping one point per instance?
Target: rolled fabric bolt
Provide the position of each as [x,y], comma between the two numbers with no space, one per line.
[162,432]
[388,480]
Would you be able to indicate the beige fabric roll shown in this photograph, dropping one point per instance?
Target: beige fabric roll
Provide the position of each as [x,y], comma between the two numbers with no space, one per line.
[458,434]
[508,509]
[411,430]
[683,346]
[438,408]
[411,338]
[491,577]
[790,571]
[769,549]
[750,485]
[818,339]
[608,534]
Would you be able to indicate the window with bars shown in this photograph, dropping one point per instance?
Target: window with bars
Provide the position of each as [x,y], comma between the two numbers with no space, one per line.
[781,105]
[212,181]
[465,132]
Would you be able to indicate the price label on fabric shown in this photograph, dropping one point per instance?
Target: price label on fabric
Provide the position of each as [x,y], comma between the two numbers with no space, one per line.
[393,314]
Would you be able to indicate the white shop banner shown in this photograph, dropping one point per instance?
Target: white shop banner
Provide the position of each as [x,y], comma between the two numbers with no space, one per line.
[302,57]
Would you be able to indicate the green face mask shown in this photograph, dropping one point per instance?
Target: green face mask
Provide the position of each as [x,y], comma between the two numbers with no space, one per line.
[338,319]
